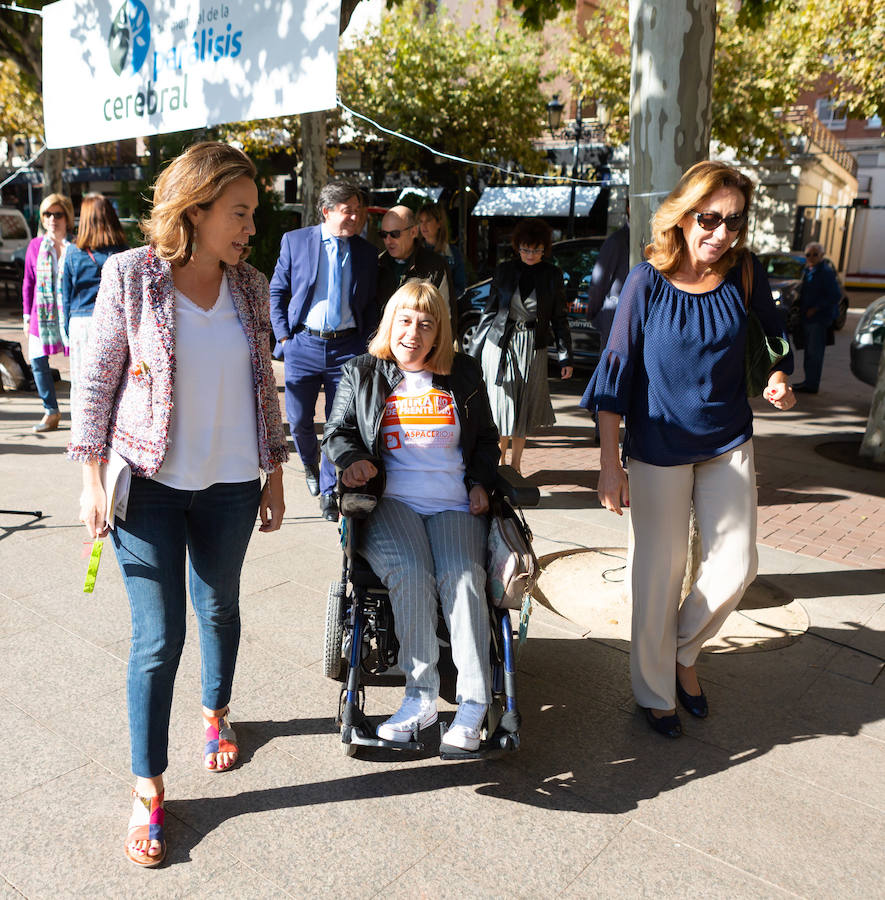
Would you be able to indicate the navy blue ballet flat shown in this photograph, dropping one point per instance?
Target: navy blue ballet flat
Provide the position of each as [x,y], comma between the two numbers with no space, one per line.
[696,705]
[668,726]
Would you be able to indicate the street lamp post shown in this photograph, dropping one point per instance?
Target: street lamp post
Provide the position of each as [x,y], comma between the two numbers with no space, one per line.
[554,118]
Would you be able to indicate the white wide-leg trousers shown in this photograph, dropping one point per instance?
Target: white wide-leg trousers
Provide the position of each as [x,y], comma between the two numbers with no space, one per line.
[723,490]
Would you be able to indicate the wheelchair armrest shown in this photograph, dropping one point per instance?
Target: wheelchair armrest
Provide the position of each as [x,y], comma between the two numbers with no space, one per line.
[515,489]
[358,503]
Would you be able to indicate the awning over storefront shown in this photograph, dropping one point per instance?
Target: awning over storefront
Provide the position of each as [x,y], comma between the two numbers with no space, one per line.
[534,201]
[431,193]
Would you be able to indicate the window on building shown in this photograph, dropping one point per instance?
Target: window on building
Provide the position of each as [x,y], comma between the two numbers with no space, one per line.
[831,114]
[875,122]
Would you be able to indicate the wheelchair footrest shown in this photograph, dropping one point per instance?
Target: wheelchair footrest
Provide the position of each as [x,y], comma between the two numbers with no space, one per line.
[498,744]
[355,735]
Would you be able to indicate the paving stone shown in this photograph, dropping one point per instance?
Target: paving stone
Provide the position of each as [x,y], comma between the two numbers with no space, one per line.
[641,862]
[93,862]
[40,754]
[805,828]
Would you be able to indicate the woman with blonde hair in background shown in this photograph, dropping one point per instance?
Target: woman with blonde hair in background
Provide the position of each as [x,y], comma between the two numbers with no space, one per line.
[434,227]
[41,300]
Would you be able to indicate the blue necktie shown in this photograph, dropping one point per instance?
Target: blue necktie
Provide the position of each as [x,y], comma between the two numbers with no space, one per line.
[333,310]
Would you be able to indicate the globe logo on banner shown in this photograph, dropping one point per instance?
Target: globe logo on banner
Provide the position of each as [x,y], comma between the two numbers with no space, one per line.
[130,37]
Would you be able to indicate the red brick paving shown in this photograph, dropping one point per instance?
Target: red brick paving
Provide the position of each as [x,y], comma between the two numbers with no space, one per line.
[807,503]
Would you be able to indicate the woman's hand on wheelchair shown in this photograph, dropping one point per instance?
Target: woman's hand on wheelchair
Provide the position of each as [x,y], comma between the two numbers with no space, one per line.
[479,500]
[358,474]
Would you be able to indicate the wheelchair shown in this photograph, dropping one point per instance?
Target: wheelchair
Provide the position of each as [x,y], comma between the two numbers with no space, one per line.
[360,637]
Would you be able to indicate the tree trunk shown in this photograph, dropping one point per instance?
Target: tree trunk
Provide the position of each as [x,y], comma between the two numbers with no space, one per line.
[873,443]
[313,165]
[671,86]
[53,166]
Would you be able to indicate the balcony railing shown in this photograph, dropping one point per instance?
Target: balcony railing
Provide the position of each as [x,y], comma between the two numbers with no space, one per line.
[813,131]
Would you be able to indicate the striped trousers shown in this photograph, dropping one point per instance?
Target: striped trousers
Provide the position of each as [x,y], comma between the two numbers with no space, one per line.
[422,557]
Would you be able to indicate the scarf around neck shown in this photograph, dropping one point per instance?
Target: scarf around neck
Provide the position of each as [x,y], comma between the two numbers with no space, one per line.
[47,298]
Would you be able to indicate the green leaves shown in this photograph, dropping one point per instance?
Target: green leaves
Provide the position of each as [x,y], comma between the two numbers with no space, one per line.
[472,93]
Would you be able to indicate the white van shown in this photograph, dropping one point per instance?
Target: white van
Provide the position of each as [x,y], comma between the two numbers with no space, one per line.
[14,238]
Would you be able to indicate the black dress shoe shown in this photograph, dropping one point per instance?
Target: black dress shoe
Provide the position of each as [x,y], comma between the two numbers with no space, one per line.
[312,477]
[329,507]
[695,704]
[669,726]
[803,388]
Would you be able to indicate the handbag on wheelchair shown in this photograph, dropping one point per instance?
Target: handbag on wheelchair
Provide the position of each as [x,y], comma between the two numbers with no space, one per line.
[511,562]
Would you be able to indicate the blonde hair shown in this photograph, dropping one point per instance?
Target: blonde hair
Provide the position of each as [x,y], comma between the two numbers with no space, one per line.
[425,298]
[196,178]
[61,200]
[666,252]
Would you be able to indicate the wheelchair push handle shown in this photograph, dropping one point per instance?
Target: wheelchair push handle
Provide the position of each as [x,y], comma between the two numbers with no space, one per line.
[517,490]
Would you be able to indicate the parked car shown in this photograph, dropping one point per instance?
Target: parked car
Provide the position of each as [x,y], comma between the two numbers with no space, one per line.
[14,237]
[866,346]
[576,258]
[784,272]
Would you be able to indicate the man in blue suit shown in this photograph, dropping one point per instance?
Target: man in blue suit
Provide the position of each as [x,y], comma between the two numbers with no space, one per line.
[323,309]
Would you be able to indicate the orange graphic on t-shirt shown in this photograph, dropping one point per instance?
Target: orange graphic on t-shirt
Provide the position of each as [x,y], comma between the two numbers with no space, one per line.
[431,408]
[391,441]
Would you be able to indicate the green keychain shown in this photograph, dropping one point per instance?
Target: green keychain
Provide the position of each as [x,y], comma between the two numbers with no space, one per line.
[524,614]
[92,568]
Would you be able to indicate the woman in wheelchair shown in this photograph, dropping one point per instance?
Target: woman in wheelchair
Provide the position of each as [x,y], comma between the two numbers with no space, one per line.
[415,417]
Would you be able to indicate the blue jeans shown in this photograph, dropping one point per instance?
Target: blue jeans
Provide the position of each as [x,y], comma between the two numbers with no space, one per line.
[815,344]
[214,526]
[45,384]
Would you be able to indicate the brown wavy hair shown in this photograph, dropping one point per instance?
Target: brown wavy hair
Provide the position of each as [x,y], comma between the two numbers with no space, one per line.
[99,226]
[439,216]
[196,178]
[423,297]
[666,252]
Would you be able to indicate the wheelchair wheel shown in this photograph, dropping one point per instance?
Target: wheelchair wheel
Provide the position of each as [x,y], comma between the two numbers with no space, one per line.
[334,630]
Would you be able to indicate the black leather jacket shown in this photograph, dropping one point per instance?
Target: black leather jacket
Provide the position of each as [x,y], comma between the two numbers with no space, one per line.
[353,430]
[551,316]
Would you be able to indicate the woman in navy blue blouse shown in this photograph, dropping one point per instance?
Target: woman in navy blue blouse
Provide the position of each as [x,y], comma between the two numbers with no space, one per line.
[673,369]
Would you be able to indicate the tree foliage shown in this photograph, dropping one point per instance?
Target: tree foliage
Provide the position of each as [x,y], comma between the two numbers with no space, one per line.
[850,37]
[475,94]
[598,64]
[766,55]
[21,108]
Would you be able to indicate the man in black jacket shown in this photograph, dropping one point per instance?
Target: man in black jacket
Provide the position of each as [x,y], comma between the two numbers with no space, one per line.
[405,258]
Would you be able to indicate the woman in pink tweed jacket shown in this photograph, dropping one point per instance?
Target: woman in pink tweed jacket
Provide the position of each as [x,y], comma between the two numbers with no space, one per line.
[178,381]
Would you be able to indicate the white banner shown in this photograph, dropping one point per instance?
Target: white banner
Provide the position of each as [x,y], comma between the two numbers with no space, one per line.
[126,68]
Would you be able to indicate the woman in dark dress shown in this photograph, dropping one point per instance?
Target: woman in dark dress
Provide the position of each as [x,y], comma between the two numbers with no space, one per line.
[526,304]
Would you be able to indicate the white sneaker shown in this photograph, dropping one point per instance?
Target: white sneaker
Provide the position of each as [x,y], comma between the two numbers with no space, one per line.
[464,731]
[414,714]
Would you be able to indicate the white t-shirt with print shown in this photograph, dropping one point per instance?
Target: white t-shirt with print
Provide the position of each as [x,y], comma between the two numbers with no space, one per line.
[420,437]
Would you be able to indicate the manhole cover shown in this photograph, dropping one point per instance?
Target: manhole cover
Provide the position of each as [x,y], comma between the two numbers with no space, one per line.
[588,587]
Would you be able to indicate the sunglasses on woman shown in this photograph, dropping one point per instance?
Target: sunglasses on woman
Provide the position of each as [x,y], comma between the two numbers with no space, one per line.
[710,221]
[53,215]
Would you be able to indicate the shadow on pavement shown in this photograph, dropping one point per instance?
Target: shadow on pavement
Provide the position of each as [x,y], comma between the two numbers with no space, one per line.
[579,754]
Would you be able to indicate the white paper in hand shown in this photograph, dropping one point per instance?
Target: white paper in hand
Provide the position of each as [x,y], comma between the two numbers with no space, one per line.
[116,477]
